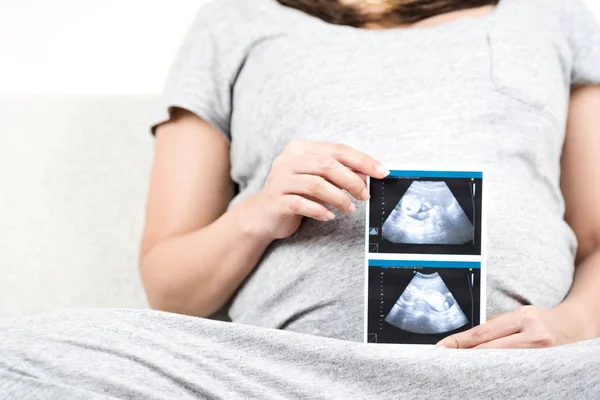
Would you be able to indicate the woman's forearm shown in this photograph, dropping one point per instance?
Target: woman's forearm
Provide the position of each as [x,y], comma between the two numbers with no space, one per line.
[580,182]
[196,273]
[584,298]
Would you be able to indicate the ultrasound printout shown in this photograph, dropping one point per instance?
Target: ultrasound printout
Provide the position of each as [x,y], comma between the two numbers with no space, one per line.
[428,213]
[424,255]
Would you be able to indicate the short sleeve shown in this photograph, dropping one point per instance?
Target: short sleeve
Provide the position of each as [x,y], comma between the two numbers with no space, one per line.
[202,76]
[583,33]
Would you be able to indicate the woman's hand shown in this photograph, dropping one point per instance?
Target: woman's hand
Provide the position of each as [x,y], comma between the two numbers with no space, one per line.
[306,177]
[525,327]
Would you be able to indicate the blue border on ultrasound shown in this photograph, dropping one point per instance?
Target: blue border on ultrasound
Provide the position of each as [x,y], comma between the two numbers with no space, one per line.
[424,264]
[435,174]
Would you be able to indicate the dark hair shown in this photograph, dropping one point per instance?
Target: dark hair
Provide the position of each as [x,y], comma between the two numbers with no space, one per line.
[403,11]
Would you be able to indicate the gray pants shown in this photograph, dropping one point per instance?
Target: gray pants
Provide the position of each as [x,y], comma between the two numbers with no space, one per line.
[128,354]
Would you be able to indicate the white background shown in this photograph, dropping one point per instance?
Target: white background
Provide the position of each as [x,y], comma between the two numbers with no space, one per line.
[90,46]
[94,46]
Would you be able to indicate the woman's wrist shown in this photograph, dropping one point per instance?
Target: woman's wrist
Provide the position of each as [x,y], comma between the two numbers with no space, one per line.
[583,320]
[250,223]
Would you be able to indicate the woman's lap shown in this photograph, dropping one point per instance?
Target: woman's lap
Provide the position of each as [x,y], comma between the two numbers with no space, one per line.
[153,355]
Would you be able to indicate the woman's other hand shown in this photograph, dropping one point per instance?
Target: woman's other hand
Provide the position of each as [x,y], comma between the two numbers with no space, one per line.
[525,327]
[305,178]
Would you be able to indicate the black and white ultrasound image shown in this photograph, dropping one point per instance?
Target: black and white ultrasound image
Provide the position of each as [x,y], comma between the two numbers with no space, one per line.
[425,216]
[421,305]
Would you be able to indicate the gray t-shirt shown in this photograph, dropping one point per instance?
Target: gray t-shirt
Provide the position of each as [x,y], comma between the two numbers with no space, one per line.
[489,90]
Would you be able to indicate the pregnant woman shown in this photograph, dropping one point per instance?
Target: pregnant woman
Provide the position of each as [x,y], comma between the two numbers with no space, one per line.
[273,115]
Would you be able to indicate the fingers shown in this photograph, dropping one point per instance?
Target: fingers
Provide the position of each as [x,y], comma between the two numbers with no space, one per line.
[362,176]
[357,160]
[333,171]
[318,188]
[493,316]
[298,205]
[346,155]
[307,173]
[504,325]
[518,341]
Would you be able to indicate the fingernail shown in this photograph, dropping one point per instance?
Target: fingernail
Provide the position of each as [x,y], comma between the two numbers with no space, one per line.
[364,195]
[352,208]
[330,215]
[382,170]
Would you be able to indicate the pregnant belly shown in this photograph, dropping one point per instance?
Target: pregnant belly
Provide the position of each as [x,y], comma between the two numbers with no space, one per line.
[314,281]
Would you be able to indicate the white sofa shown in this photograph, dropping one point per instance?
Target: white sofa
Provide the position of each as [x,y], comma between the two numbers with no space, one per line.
[73,179]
